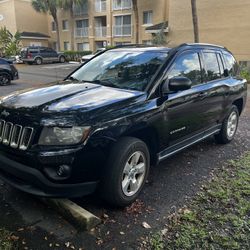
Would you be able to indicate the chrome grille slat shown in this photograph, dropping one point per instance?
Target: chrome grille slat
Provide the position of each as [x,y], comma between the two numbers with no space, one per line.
[2,126]
[7,133]
[15,135]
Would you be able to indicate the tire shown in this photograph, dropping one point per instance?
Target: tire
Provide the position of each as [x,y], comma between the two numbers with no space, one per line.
[38,61]
[118,170]
[5,79]
[227,134]
[62,59]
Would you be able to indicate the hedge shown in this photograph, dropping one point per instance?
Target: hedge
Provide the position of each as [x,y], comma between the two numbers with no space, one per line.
[76,55]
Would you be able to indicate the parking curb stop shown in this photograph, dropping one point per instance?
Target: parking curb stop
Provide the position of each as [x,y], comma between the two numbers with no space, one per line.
[76,215]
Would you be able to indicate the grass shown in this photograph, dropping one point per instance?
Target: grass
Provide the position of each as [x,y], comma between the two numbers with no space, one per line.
[217,218]
[5,240]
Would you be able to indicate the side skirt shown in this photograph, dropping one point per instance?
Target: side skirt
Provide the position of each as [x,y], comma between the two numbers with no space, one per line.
[188,142]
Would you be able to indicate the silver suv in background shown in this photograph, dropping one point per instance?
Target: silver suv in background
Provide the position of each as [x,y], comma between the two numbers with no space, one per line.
[39,55]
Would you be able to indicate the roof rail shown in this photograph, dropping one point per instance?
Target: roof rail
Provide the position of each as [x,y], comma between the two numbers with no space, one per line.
[202,44]
[132,46]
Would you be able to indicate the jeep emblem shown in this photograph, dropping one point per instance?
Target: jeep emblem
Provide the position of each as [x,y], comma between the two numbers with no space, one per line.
[5,113]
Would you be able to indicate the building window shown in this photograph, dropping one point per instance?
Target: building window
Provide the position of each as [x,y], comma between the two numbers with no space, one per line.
[82,46]
[54,45]
[80,9]
[82,28]
[122,43]
[65,24]
[122,4]
[100,5]
[123,26]
[148,17]
[147,42]
[66,46]
[53,26]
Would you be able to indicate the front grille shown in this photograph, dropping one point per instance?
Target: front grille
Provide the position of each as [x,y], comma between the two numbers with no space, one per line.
[14,135]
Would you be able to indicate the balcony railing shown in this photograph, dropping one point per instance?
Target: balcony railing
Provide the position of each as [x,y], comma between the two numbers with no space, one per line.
[100,6]
[120,5]
[80,10]
[82,32]
[100,31]
[122,30]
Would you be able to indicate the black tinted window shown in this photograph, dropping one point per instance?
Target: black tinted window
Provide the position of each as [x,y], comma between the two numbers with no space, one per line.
[187,65]
[231,64]
[212,66]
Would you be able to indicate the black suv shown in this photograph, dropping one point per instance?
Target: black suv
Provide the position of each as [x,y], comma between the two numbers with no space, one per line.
[115,116]
[8,72]
[39,55]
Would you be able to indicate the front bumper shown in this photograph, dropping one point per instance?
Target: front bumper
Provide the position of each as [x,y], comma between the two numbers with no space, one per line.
[32,181]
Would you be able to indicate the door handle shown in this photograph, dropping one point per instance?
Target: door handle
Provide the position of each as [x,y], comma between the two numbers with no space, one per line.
[202,95]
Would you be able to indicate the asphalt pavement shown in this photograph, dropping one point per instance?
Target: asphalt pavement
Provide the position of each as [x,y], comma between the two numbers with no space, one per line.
[170,186]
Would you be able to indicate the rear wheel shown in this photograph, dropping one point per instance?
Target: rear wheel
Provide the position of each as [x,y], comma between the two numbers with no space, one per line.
[38,61]
[126,172]
[229,127]
[5,79]
[62,59]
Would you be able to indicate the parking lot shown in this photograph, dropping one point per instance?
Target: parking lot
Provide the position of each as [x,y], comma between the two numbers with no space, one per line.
[169,187]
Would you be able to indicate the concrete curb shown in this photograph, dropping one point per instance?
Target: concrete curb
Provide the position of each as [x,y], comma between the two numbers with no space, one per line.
[76,215]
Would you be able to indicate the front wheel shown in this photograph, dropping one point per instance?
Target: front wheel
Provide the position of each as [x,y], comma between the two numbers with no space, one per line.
[229,127]
[5,79]
[126,172]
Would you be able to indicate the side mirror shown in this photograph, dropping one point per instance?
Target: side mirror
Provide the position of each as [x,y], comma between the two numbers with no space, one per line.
[176,84]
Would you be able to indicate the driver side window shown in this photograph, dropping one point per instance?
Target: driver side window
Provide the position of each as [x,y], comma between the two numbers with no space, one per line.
[187,65]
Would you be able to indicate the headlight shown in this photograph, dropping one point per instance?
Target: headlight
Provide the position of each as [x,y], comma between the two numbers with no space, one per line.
[56,136]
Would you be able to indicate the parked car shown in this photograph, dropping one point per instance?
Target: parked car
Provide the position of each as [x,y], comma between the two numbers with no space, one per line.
[39,55]
[8,72]
[88,57]
[115,116]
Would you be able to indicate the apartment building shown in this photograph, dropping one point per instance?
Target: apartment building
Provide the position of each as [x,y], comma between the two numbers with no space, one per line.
[18,15]
[100,23]
[225,22]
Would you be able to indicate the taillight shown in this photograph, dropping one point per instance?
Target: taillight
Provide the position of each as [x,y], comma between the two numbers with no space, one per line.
[29,55]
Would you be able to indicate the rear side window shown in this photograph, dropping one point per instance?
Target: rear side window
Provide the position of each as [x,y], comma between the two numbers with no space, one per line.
[187,65]
[231,64]
[212,66]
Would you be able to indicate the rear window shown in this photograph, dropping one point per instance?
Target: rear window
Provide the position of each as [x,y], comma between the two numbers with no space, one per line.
[231,64]
[212,66]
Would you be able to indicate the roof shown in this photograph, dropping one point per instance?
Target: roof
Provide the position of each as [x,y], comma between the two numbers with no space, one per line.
[158,26]
[34,35]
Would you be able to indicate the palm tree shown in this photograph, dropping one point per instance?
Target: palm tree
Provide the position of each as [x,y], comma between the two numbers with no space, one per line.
[69,5]
[136,12]
[51,7]
[195,21]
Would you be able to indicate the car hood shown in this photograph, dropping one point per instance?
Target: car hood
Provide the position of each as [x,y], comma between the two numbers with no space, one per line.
[68,96]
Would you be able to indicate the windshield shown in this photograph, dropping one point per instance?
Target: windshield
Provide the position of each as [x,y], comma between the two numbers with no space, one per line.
[121,69]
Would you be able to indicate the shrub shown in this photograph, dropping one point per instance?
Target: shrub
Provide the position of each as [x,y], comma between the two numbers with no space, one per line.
[245,73]
[76,55]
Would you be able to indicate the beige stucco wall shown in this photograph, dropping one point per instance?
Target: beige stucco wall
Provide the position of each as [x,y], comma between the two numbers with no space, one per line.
[224,22]
[7,10]
[27,19]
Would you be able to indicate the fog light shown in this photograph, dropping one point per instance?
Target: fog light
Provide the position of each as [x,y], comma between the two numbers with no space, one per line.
[64,171]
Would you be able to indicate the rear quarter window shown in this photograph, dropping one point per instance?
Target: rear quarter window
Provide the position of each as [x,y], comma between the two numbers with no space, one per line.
[231,64]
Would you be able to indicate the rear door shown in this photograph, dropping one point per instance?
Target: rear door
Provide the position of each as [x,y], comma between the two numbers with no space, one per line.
[213,97]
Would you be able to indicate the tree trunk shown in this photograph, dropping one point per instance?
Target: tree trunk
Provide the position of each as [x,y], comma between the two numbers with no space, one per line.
[195,21]
[136,12]
[72,34]
[58,35]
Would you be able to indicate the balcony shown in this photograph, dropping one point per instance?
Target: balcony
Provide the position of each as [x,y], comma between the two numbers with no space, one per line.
[100,31]
[122,30]
[80,10]
[82,32]
[122,4]
[100,6]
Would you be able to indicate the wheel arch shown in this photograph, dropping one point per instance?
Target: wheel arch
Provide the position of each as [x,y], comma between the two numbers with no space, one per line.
[239,104]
